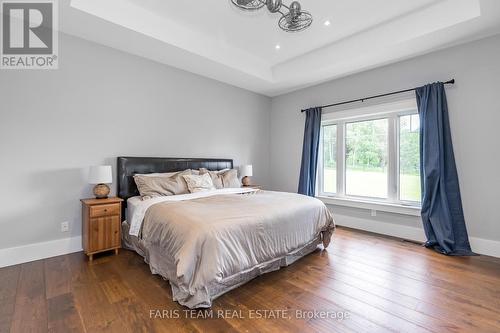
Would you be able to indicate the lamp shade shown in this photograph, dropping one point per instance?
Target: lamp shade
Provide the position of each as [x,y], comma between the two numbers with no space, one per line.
[246,171]
[101,174]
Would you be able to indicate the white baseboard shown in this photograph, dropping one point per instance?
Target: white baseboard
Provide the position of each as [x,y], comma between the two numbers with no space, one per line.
[485,246]
[479,245]
[21,254]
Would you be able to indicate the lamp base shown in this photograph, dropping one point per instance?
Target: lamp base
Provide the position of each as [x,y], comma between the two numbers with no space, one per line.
[101,191]
[245,181]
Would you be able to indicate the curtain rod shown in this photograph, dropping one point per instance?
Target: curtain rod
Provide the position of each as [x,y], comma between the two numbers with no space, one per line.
[452,81]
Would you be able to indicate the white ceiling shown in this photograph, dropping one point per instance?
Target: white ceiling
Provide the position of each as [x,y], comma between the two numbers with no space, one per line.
[217,40]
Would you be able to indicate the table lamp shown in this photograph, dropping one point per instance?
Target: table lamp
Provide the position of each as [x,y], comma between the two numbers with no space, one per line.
[101,176]
[246,172]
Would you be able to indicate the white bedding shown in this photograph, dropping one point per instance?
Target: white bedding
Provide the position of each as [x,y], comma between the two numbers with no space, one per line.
[136,207]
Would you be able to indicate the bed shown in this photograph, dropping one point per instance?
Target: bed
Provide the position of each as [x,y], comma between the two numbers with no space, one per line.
[208,243]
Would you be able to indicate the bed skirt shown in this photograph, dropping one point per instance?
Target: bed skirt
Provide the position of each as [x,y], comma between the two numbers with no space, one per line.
[203,297]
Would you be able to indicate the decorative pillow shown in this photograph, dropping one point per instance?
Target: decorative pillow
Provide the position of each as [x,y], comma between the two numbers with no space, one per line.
[154,186]
[216,177]
[223,178]
[198,183]
[230,179]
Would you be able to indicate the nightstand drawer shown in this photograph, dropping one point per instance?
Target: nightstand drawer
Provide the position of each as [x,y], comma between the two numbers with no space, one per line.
[104,210]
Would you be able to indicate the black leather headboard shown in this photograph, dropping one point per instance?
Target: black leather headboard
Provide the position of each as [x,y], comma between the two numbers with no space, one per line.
[127,167]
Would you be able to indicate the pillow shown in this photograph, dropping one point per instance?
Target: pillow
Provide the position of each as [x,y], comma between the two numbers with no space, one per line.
[230,179]
[223,178]
[199,183]
[216,179]
[154,186]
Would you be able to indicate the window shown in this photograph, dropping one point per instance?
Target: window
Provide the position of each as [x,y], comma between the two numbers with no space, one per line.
[409,158]
[330,158]
[366,158]
[372,154]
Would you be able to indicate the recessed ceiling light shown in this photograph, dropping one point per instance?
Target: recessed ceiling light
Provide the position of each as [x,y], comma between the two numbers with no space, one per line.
[277,47]
[327,23]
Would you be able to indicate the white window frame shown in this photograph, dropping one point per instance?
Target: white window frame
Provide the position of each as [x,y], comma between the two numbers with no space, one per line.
[391,111]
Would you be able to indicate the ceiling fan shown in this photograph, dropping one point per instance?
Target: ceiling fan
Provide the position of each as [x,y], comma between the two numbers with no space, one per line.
[294,19]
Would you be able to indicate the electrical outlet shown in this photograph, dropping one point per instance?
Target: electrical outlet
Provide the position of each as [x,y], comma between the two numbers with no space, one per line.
[373,212]
[64,226]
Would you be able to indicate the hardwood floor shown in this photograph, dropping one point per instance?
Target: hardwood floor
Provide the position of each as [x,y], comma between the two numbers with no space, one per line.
[382,284]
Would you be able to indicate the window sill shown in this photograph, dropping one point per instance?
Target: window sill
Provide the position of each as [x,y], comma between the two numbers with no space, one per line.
[371,205]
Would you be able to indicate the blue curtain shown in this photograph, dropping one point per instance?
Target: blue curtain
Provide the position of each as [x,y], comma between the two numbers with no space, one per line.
[309,165]
[442,212]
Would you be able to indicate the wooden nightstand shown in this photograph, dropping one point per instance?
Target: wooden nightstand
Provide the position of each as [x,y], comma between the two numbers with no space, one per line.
[257,187]
[101,225]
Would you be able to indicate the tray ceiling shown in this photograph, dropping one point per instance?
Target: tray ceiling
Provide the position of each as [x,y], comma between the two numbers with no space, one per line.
[214,39]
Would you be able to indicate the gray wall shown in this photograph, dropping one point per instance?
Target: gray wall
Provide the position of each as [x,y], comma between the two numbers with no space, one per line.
[475,120]
[103,103]
[100,104]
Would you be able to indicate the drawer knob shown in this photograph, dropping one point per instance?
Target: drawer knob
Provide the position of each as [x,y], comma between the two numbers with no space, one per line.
[105,210]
